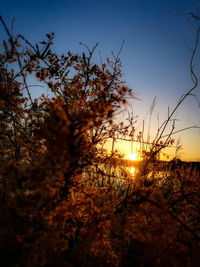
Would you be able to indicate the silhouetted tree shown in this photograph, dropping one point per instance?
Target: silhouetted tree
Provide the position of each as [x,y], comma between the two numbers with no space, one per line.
[61,202]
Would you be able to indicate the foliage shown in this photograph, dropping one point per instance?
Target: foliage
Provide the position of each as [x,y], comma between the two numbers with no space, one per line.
[64,202]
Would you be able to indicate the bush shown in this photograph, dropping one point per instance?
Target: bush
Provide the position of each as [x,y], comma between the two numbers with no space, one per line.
[59,207]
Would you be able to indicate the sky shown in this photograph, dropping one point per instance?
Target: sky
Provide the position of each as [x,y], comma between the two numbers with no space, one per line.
[155,57]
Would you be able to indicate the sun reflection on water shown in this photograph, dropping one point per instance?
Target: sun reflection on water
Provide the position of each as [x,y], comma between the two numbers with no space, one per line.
[132,171]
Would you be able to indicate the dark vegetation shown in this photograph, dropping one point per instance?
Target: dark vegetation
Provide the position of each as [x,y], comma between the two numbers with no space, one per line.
[58,206]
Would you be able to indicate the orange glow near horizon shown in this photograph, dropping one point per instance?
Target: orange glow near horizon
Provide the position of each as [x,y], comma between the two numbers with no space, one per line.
[190,151]
[132,156]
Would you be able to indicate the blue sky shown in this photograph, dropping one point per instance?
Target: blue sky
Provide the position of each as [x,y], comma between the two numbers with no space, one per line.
[155,59]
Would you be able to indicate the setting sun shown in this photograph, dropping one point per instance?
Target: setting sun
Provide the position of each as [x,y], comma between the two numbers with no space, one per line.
[132,156]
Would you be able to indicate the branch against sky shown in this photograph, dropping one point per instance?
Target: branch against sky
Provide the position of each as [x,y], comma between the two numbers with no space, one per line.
[158,142]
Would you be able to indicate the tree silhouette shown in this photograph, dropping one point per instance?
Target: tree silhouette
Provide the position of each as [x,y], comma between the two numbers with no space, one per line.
[62,204]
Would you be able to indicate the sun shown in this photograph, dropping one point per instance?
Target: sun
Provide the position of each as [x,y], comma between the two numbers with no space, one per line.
[132,156]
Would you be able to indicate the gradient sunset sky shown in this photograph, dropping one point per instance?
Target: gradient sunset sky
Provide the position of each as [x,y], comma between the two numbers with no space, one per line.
[155,57]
